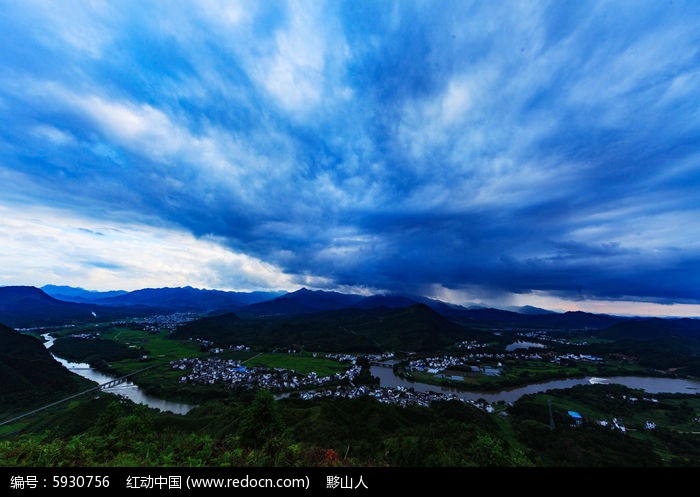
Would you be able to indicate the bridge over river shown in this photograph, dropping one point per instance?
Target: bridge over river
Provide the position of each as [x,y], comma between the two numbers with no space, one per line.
[102,386]
[388,364]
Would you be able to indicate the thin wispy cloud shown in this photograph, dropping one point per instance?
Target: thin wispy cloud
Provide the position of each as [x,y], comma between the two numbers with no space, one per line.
[492,147]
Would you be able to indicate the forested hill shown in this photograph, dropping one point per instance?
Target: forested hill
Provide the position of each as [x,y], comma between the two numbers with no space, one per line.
[411,328]
[27,306]
[29,376]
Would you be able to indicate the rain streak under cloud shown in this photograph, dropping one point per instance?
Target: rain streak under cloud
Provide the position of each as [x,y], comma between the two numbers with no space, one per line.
[480,150]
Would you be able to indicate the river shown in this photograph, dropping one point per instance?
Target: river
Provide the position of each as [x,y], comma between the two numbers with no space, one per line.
[649,384]
[389,379]
[128,389]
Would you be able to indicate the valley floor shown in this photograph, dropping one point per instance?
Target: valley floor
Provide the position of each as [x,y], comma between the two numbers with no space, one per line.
[287,406]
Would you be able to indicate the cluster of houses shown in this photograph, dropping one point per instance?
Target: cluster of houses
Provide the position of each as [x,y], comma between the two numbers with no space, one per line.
[435,365]
[380,357]
[542,335]
[632,399]
[86,336]
[399,396]
[219,350]
[39,328]
[575,357]
[470,345]
[208,344]
[615,424]
[310,386]
[239,347]
[340,357]
[203,342]
[473,358]
[166,321]
[232,373]
[489,364]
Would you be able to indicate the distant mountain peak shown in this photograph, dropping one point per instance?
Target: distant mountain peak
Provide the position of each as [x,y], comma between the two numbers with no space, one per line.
[21,291]
[529,310]
[77,294]
[303,301]
[188,299]
[304,291]
[29,306]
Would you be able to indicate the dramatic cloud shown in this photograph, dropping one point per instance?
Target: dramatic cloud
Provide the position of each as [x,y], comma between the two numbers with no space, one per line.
[42,245]
[474,150]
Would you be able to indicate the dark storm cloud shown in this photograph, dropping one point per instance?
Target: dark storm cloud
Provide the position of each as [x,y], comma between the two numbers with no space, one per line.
[504,146]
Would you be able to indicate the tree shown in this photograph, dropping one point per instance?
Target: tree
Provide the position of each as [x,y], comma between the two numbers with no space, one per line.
[261,426]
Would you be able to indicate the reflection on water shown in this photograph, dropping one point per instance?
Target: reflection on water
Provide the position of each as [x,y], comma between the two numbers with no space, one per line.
[389,379]
[127,389]
[524,345]
[649,384]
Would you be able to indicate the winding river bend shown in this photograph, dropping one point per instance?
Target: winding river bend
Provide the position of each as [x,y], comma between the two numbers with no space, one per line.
[128,389]
[648,384]
[388,379]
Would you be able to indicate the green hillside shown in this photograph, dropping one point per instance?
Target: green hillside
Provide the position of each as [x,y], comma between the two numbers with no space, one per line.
[29,376]
[93,350]
[350,330]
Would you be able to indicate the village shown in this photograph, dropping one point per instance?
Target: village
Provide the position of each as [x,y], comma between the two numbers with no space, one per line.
[235,375]
[164,321]
[342,385]
[544,336]
[399,396]
[438,364]
[489,364]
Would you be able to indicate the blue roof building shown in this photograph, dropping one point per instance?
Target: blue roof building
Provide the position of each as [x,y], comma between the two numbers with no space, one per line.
[576,417]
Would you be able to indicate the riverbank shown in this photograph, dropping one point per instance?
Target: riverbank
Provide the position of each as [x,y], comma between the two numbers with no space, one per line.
[523,373]
[161,387]
[126,389]
[647,383]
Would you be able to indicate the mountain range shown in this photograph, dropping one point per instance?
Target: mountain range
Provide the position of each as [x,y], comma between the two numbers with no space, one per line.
[22,306]
[181,299]
[30,306]
[79,295]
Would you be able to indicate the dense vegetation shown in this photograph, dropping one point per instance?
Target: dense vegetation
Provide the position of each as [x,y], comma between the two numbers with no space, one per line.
[351,330]
[252,429]
[93,350]
[674,442]
[29,376]
[661,344]
[256,430]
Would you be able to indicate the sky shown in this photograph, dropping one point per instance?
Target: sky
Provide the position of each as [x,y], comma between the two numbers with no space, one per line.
[507,152]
